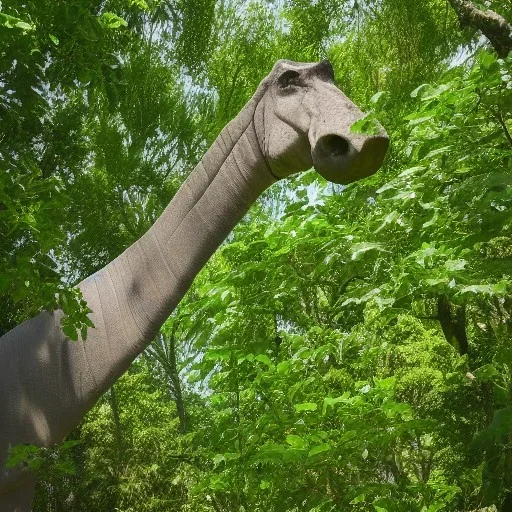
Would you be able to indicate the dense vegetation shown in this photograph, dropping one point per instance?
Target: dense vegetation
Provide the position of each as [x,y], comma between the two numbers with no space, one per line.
[348,348]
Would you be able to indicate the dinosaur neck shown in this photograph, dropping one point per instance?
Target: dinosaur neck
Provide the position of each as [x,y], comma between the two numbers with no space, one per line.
[133,295]
[52,382]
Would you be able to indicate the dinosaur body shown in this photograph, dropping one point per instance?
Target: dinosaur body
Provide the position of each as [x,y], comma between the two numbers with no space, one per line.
[48,383]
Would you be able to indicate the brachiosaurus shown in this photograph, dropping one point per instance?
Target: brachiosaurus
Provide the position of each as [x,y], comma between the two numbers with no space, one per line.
[296,119]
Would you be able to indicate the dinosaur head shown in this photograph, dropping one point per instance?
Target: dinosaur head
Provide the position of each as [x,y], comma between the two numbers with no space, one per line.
[304,121]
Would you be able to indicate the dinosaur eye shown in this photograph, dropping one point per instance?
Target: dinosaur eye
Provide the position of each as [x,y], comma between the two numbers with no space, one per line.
[289,80]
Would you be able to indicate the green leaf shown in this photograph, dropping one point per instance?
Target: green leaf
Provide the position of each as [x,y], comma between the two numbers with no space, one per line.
[307,406]
[358,499]
[296,441]
[418,89]
[411,171]
[453,265]
[501,425]
[438,151]
[23,454]
[486,372]
[331,402]
[486,59]
[140,3]
[218,459]
[70,331]
[284,367]
[263,358]
[319,448]
[393,409]
[377,96]
[361,248]
[112,21]
[12,22]
[420,120]
[366,126]
[435,92]
[386,384]
[24,25]
[221,354]
[390,218]
[484,289]
[29,219]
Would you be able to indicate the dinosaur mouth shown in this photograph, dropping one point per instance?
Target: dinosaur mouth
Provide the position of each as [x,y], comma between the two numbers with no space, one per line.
[341,161]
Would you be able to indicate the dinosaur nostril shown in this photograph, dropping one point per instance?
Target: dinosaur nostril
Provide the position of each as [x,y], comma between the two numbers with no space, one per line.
[334,145]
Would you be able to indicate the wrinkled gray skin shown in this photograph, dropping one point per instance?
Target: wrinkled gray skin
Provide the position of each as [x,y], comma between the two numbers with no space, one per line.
[296,119]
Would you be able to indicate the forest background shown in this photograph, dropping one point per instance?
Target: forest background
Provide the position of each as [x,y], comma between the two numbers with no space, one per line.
[347,348]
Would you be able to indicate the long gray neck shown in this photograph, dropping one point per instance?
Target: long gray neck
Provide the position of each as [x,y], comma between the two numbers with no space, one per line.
[49,382]
[138,290]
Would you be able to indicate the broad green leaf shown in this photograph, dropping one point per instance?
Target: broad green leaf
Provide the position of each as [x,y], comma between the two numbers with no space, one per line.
[453,265]
[307,406]
[296,441]
[367,126]
[358,499]
[223,354]
[361,248]
[263,358]
[13,22]
[377,96]
[390,218]
[416,91]
[477,289]
[420,120]
[24,25]
[411,171]
[435,92]
[112,21]
[319,448]
[486,372]
[331,402]
[70,331]
[218,459]
[140,3]
[284,367]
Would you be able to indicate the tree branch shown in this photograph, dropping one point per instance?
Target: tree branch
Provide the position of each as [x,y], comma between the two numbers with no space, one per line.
[493,26]
[499,117]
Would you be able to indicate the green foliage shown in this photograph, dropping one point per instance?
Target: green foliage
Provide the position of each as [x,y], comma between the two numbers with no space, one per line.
[329,393]
[55,462]
[348,348]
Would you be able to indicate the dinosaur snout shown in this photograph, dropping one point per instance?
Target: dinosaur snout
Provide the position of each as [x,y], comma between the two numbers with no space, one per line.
[346,159]
[332,146]
[339,154]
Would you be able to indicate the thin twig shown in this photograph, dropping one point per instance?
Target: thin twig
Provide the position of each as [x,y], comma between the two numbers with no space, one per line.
[499,117]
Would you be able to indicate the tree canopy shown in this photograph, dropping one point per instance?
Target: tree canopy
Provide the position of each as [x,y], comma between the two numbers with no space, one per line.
[347,348]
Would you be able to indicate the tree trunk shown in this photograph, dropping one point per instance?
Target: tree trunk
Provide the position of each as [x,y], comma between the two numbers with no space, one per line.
[493,26]
[176,384]
[118,436]
[453,324]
